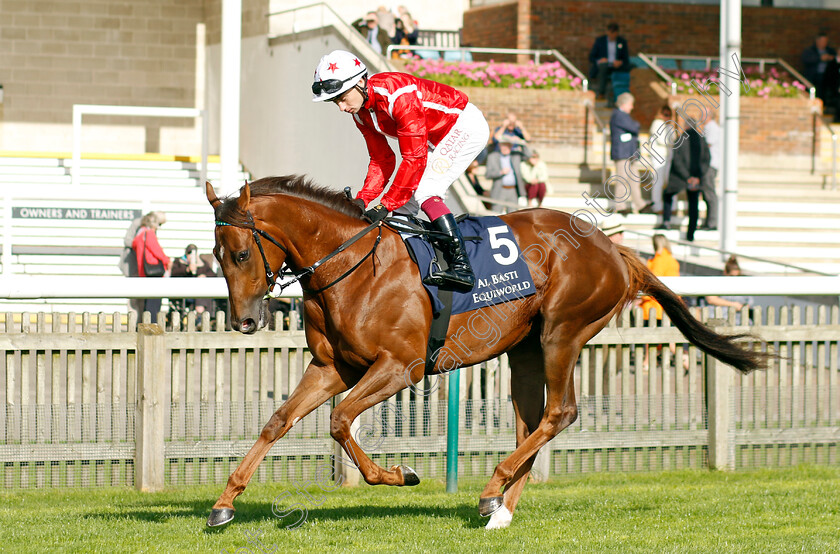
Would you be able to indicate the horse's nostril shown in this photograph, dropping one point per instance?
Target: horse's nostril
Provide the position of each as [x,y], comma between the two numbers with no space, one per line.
[248,326]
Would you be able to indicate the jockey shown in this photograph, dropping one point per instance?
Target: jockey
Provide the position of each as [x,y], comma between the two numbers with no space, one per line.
[439,134]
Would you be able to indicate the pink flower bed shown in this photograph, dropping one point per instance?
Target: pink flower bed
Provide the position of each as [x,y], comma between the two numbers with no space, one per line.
[496,75]
[772,83]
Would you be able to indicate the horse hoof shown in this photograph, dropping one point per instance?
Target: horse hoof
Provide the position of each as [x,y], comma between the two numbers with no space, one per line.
[500,519]
[220,516]
[488,506]
[410,477]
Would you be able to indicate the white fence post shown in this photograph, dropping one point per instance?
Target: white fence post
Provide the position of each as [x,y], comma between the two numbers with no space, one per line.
[149,410]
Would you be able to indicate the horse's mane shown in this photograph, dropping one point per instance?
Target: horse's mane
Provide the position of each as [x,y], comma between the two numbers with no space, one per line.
[295,185]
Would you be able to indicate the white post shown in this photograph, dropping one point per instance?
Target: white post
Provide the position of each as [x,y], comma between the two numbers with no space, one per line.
[75,174]
[7,231]
[229,120]
[730,45]
[721,444]
[201,93]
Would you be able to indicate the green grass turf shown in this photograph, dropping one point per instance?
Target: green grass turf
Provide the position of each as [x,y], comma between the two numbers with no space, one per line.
[786,510]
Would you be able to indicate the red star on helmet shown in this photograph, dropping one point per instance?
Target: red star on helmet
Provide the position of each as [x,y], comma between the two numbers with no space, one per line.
[333,67]
[358,63]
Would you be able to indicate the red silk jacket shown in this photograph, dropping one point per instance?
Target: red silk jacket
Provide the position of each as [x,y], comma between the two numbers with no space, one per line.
[418,113]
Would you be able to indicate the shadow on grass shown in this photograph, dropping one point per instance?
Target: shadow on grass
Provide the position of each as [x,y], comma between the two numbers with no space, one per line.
[261,512]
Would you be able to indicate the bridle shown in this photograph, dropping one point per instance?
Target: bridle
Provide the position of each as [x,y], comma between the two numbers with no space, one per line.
[272,276]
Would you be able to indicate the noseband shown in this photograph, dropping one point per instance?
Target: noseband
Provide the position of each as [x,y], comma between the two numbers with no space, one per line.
[272,276]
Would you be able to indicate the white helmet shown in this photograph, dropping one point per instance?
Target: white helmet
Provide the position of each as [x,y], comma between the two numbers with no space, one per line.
[336,73]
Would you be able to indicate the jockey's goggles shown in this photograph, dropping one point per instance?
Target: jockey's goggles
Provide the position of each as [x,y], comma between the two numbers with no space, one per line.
[331,86]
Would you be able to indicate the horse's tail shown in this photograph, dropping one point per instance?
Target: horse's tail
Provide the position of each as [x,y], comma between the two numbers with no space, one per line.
[725,348]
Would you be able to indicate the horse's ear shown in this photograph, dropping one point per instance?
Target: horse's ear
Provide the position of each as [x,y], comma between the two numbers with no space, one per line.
[211,195]
[244,199]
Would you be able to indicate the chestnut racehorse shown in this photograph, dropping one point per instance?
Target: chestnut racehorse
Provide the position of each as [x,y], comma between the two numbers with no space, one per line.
[367,319]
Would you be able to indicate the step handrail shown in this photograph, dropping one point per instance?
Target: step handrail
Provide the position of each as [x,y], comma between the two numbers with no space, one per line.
[651,59]
[740,255]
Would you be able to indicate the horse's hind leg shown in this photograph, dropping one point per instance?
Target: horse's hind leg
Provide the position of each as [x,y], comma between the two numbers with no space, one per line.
[318,384]
[527,388]
[560,412]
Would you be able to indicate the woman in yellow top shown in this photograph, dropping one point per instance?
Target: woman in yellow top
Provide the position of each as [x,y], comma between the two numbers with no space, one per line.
[662,264]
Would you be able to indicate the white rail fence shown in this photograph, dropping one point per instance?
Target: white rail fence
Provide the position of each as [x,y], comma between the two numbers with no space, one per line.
[87,400]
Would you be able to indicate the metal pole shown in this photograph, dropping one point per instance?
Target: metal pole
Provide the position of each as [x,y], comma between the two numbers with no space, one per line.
[730,19]
[452,432]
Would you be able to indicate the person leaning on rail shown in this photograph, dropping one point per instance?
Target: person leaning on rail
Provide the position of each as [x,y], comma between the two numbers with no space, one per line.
[439,133]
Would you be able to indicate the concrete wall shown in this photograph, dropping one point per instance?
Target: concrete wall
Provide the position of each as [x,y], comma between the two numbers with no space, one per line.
[282,130]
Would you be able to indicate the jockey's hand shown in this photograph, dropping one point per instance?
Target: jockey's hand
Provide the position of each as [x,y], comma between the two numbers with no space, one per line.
[376,213]
[360,203]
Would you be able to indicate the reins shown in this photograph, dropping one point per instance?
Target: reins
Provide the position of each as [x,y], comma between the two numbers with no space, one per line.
[272,276]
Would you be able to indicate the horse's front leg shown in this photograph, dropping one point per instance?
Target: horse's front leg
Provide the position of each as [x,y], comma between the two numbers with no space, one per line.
[318,384]
[385,378]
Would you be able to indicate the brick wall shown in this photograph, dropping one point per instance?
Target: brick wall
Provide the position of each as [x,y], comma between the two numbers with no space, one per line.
[658,28]
[772,126]
[60,53]
[555,119]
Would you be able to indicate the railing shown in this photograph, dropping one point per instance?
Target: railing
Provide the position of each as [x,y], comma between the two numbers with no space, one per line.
[320,15]
[87,402]
[435,38]
[80,110]
[708,63]
[672,85]
[695,250]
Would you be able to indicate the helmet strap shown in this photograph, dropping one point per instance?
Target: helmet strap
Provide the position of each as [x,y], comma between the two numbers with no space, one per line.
[363,90]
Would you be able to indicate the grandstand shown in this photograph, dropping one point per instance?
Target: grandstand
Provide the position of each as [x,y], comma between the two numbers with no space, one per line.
[786,214]
[55,229]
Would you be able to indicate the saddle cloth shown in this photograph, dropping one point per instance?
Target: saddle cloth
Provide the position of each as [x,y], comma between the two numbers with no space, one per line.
[501,275]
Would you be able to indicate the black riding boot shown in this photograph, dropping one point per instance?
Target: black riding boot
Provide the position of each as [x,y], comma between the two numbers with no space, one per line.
[459,276]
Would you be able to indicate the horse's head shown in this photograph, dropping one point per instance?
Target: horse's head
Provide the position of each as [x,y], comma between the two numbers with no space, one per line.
[241,261]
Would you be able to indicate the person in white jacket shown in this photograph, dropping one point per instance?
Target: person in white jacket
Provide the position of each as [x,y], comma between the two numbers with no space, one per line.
[535,174]
[662,161]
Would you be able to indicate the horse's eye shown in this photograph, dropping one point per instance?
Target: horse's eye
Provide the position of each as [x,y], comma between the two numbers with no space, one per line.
[242,256]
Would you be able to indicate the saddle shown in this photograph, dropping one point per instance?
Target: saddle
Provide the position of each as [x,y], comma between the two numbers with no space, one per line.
[501,273]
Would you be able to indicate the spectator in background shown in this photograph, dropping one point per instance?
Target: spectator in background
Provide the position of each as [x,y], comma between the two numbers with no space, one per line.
[816,59]
[403,38]
[609,54]
[128,259]
[663,264]
[688,169]
[535,175]
[151,259]
[475,182]
[504,168]
[512,128]
[708,188]
[662,151]
[624,136]
[386,20]
[193,265]
[377,37]
[731,269]
[614,230]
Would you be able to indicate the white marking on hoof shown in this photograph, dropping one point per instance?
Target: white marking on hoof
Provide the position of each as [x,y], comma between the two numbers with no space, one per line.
[500,519]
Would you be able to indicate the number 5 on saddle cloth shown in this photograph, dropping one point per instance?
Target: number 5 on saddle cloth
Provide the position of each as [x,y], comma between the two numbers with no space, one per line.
[501,273]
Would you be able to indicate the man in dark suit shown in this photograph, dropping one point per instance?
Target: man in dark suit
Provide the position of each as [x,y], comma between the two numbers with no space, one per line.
[609,54]
[819,61]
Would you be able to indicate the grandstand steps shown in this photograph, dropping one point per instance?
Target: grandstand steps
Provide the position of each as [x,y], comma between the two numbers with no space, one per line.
[87,246]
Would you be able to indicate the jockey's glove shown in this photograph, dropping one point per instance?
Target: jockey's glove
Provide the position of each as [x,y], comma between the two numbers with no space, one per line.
[376,213]
[360,203]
